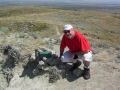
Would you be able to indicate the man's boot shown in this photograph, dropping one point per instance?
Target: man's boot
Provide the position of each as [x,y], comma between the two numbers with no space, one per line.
[86,73]
[75,66]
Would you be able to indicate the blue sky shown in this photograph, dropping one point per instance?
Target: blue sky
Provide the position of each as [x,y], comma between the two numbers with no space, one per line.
[69,1]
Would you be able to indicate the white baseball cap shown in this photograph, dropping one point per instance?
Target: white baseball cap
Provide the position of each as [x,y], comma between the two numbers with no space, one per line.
[68,27]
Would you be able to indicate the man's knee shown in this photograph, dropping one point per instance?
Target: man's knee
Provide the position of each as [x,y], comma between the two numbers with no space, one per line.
[88,57]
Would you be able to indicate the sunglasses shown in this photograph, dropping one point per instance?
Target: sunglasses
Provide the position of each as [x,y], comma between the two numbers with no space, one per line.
[68,31]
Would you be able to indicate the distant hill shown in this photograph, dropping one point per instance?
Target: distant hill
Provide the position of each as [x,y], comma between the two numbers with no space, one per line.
[68,4]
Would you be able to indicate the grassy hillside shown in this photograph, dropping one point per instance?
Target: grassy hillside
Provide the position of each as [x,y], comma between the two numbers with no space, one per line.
[27,28]
[102,28]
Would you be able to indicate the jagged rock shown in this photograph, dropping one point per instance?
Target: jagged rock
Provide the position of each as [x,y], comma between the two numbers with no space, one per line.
[32,57]
[77,72]
[7,74]
[13,57]
[41,65]
[12,54]
[36,71]
[54,75]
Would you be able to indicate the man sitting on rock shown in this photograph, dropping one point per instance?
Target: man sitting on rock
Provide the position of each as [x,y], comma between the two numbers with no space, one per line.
[79,47]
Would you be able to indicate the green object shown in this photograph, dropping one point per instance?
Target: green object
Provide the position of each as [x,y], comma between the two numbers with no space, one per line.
[46,54]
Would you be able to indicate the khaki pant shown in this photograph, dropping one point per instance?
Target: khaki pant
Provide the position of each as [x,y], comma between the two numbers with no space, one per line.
[68,57]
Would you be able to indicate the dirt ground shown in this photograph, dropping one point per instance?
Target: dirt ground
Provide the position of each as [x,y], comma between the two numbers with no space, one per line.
[105,75]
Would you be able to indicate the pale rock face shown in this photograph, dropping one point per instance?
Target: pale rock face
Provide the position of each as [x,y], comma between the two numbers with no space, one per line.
[32,57]
[15,80]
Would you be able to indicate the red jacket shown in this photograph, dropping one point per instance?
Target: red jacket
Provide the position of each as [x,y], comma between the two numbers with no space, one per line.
[77,44]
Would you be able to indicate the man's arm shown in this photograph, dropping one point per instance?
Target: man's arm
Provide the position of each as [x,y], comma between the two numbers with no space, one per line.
[62,46]
[61,52]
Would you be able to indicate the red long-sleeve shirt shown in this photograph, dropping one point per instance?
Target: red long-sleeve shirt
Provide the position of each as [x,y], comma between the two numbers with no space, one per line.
[77,44]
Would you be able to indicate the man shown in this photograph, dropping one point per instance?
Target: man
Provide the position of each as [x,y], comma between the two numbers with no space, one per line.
[79,48]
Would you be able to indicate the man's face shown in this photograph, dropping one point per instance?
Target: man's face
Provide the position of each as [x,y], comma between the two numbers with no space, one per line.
[69,33]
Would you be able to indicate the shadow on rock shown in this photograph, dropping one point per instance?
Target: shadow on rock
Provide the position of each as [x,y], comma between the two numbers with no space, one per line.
[43,62]
[70,76]
[28,69]
[13,56]
[11,60]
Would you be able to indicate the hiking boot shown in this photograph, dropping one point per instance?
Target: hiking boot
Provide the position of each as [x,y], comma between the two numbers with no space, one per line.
[75,66]
[86,73]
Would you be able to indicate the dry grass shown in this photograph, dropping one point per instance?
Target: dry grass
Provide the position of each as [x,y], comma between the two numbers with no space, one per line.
[45,21]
